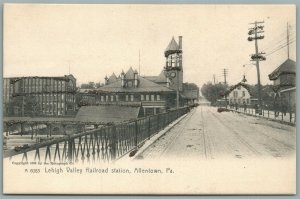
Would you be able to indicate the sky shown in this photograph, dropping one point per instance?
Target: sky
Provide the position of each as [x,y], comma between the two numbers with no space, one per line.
[92,41]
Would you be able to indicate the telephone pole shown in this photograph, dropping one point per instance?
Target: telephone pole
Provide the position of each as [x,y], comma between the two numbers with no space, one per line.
[139,62]
[214,78]
[225,73]
[257,30]
[288,40]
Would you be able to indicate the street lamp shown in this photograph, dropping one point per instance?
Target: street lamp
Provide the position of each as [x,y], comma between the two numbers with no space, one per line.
[171,74]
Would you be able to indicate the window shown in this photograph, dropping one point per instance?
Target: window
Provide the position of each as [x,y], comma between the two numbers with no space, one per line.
[131,97]
[117,98]
[142,97]
[235,94]
[106,98]
[126,97]
[112,98]
[244,94]
[152,97]
[158,97]
[147,97]
[102,98]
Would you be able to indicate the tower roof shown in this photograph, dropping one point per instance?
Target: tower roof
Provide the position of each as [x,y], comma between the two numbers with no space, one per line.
[112,78]
[172,47]
[129,74]
[287,67]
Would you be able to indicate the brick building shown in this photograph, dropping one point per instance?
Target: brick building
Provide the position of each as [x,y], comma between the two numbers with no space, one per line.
[39,96]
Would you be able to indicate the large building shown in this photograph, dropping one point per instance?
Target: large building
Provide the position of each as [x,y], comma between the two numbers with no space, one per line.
[39,96]
[156,94]
[131,89]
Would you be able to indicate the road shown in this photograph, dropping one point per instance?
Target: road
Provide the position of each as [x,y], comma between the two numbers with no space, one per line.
[205,133]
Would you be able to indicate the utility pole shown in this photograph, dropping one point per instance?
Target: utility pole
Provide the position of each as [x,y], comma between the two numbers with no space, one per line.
[288,40]
[225,73]
[257,30]
[214,78]
[139,62]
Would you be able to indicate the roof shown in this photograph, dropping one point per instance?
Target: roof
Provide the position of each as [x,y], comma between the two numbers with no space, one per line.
[172,47]
[287,67]
[145,85]
[161,78]
[65,77]
[151,78]
[84,90]
[112,78]
[88,114]
[246,86]
[107,113]
[129,74]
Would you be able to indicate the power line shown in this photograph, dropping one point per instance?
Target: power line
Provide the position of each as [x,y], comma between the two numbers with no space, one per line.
[280,48]
[277,43]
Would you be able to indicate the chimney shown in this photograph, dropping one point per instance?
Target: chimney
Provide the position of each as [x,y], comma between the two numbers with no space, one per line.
[106,80]
[122,79]
[180,42]
[135,74]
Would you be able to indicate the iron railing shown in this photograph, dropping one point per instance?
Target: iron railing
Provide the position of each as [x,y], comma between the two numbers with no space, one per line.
[106,143]
[288,117]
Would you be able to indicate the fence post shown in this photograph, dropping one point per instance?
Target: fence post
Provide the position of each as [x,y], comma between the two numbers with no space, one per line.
[136,134]
[70,149]
[157,122]
[149,127]
[281,115]
[268,113]
[290,115]
[114,143]
[22,129]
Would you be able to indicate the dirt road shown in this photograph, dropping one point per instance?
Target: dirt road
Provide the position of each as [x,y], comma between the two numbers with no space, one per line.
[205,133]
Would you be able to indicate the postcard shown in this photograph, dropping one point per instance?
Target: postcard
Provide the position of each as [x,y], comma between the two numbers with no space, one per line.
[149,99]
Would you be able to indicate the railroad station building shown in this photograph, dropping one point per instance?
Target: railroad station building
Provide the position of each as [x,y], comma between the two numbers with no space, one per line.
[156,94]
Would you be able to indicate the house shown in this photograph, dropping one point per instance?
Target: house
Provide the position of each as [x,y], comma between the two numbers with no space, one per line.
[239,94]
[284,85]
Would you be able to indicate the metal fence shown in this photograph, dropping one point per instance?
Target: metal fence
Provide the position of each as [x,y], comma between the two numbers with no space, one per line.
[267,113]
[105,144]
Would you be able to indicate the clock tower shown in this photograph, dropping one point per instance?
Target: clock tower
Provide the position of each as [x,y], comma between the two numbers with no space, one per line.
[173,67]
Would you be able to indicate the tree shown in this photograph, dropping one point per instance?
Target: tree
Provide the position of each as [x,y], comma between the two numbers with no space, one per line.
[213,92]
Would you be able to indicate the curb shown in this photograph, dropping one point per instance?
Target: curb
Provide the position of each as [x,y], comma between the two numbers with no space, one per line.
[153,139]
